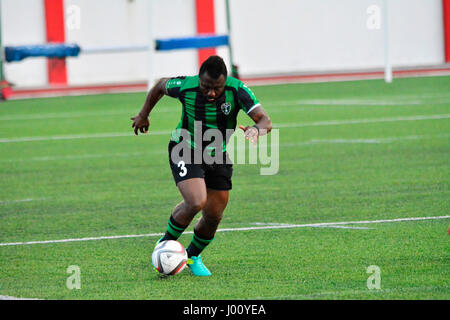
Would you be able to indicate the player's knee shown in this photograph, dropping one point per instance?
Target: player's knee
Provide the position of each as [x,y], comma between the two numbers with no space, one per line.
[213,218]
[195,205]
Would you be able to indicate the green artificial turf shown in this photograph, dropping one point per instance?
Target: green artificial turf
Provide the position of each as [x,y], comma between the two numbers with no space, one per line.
[71,168]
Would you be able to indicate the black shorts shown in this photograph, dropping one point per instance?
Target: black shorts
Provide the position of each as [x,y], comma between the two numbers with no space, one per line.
[216,176]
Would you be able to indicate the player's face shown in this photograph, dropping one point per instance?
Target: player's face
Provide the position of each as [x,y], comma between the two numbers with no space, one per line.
[212,88]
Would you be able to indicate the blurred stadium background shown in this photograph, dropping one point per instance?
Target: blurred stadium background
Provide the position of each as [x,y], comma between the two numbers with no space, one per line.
[274,41]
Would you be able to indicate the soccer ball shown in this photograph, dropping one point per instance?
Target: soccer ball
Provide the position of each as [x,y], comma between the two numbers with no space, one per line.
[169,257]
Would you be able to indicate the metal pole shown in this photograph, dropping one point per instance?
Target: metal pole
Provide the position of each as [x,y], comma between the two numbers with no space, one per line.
[234,71]
[2,75]
[387,58]
[151,47]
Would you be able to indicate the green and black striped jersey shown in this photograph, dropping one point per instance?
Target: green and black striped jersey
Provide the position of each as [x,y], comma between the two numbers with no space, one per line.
[220,114]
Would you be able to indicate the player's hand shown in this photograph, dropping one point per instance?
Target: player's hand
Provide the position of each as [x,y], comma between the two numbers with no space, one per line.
[140,123]
[250,133]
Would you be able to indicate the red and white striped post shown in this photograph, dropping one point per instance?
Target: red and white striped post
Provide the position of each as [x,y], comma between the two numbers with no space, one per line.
[55,32]
[446,13]
[206,24]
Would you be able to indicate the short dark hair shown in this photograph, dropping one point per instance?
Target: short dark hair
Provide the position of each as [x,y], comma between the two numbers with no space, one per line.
[214,66]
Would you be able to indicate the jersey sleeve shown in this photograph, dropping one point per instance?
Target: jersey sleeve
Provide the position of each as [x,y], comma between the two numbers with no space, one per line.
[173,86]
[246,98]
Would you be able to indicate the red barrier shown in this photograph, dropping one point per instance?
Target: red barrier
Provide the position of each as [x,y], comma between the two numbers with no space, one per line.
[54,25]
[206,24]
[446,11]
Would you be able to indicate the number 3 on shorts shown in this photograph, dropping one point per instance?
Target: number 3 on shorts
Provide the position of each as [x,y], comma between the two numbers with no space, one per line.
[182,165]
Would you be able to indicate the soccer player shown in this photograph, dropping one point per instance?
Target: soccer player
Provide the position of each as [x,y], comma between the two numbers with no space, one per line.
[213,100]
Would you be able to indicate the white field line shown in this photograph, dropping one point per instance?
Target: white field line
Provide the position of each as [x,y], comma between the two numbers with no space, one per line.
[383,101]
[86,239]
[353,102]
[345,227]
[270,105]
[64,115]
[290,226]
[360,121]
[20,200]
[15,298]
[87,114]
[281,125]
[282,145]
[86,156]
[286,103]
[380,100]
[79,136]
[388,101]
[363,141]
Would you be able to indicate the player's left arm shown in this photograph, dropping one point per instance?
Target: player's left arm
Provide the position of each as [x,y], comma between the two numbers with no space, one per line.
[262,126]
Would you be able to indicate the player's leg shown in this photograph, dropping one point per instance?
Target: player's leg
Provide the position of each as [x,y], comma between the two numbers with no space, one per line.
[206,227]
[218,184]
[194,196]
[189,178]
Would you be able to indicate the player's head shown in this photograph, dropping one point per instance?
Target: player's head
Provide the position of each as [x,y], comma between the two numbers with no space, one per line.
[212,76]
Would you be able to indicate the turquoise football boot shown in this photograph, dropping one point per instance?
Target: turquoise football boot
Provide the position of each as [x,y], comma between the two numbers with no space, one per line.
[197,267]
[157,242]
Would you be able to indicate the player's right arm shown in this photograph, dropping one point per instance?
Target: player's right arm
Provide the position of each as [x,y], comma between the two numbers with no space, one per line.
[141,121]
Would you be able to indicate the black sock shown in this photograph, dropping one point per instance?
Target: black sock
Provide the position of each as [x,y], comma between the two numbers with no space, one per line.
[174,230]
[197,245]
